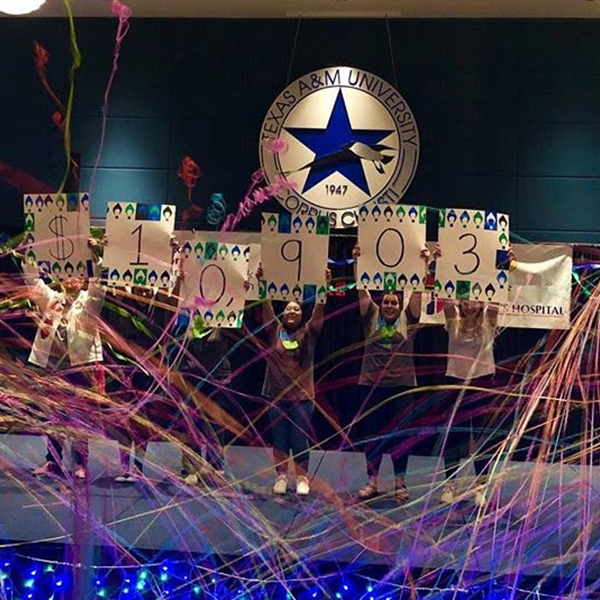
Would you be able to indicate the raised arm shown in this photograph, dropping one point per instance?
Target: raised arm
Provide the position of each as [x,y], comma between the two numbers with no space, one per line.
[450,311]
[492,314]
[414,304]
[268,314]
[365,302]
[318,314]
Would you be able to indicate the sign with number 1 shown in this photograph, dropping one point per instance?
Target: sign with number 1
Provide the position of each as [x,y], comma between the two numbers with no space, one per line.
[57,228]
[474,262]
[391,238]
[138,250]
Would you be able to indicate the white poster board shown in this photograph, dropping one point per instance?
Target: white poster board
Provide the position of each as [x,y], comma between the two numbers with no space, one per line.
[214,276]
[251,241]
[294,257]
[474,262]
[138,250]
[391,238]
[540,288]
[57,228]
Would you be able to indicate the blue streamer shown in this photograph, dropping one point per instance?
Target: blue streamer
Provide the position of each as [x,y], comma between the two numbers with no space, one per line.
[217,210]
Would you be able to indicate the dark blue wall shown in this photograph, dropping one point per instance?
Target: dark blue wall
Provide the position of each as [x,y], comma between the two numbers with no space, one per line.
[507,110]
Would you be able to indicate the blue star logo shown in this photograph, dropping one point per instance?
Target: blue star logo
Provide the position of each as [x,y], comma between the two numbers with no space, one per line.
[333,147]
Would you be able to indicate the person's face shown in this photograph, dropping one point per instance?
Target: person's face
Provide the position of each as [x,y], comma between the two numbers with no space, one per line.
[292,315]
[470,308]
[390,307]
[72,285]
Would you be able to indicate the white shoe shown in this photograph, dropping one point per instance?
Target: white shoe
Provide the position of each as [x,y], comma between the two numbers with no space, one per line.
[80,473]
[448,494]
[480,498]
[280,485]
[302,486]
[123,476]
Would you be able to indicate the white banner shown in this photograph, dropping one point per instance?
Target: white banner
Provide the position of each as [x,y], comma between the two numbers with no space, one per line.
[57,228]
[139,250]
[214,278]
[474,261]
[294,257]
[540,288]
[539,294]
[250,241]
[391,238]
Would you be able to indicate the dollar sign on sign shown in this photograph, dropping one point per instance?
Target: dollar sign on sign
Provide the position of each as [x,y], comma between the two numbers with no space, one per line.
[64,246]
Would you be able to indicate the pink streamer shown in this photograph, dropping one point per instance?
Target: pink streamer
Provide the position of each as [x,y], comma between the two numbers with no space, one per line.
[123,12]
[254,196]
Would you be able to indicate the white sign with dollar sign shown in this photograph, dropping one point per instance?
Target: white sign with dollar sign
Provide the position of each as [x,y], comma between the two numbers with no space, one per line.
[57,228]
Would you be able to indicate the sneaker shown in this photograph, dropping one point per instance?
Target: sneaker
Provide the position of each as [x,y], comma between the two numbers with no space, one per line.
[123,476]
[80,473]
[191,479]
[48,469]
[280,485]
[448,494]
[480,497]
[302,486]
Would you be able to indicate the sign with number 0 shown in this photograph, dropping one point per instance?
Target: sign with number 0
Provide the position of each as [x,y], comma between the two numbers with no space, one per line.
[391,238]
[139,250]
[250,241]
[294,257]
[214,279]
[474,262]
[57,228]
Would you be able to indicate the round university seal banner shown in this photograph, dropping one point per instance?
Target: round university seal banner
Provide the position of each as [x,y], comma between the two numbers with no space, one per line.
[341,137]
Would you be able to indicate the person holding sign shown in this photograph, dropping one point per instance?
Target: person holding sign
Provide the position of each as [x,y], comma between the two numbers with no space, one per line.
[208,371]
[471,327]
[144,335]
[290,387]
[387,377]
[67,343]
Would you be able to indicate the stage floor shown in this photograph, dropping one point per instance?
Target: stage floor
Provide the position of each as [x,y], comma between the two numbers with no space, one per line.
[541,520]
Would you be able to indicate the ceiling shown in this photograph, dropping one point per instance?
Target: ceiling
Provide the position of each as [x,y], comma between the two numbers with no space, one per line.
[334,8]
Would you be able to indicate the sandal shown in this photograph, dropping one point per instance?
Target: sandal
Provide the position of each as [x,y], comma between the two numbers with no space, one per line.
[401,494]
[368,492]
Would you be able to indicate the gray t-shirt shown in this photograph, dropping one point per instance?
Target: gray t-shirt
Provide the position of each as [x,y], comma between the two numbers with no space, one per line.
[387,361]
[290,371]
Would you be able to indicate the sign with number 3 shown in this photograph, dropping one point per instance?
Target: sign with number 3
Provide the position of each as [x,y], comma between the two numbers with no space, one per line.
[474,262]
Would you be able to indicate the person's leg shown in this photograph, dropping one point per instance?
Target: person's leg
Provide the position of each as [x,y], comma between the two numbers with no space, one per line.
[193,427]
[485,437]
[140,425]
[372,422]
[220,434]
[300,415]
[280,430]
[456,430]
[398,420]
[54,450]
[300,440]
